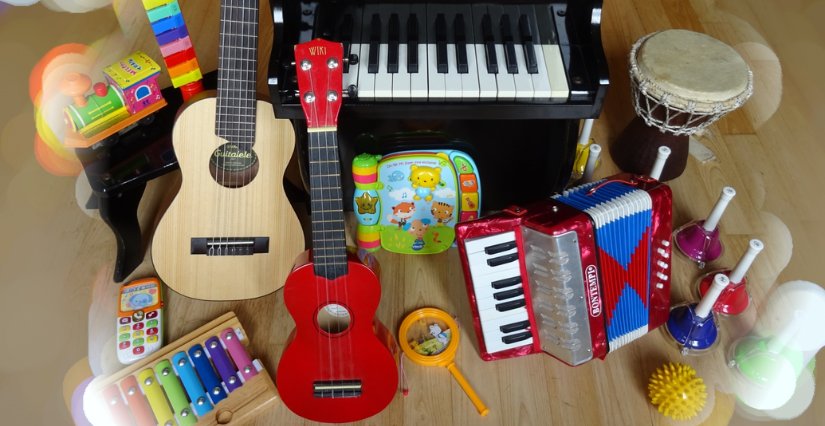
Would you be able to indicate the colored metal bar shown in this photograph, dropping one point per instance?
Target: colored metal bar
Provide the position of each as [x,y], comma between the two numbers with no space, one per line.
[174,392]
[157,400]
[193,386]
[137,402]
[238,354]
[207,374]
[223,364]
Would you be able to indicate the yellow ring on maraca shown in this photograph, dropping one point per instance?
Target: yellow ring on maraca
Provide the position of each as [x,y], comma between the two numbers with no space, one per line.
[444,359]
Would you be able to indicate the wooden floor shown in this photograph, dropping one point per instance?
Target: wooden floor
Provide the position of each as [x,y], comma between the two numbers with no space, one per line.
[57,298]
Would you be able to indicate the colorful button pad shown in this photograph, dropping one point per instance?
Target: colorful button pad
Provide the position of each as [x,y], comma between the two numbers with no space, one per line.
[138,338]
[175,44]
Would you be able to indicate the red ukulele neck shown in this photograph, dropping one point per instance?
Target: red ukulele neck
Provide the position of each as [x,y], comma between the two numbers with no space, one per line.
[319,65]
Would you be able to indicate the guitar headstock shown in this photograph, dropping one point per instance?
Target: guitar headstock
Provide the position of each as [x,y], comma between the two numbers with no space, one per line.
[318,65]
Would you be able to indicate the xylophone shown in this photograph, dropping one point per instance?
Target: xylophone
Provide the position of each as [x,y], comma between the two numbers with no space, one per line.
[595,261]
[183,374]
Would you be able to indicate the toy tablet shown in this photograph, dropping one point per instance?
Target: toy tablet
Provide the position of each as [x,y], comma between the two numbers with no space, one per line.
[409,202]
[429,337]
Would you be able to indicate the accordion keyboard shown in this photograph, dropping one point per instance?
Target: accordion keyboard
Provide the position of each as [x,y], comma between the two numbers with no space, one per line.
[497,283]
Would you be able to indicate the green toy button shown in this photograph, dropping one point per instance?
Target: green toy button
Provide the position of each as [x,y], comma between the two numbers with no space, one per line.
[123,337]
[137,342]
[152,323]
[462,165]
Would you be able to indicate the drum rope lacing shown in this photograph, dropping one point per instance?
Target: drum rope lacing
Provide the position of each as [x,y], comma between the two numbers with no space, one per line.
[671,103]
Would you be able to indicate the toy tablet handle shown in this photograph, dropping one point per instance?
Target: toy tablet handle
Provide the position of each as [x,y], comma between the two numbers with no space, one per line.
[482,409]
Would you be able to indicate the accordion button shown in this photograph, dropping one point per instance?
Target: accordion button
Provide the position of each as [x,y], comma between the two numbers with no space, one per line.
[663,265]
[666,243]
[660,286]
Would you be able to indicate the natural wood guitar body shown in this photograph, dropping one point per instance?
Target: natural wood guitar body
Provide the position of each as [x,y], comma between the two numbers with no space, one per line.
[204,208]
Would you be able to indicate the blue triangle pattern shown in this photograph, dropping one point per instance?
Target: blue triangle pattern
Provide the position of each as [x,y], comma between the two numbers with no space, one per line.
[629,314]
[622,249]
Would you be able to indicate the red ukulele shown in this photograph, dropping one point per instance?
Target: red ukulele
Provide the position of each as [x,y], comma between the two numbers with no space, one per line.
[341,365]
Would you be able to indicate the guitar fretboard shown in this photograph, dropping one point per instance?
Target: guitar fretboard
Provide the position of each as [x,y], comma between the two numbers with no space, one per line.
[329,242]
[237,71]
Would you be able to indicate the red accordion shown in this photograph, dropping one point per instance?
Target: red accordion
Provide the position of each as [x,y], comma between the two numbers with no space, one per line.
[575,276]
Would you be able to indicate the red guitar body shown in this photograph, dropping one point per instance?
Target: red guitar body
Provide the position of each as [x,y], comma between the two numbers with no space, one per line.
[365,351]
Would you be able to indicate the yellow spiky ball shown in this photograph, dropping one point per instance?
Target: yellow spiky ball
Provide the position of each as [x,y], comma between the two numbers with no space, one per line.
[677,392]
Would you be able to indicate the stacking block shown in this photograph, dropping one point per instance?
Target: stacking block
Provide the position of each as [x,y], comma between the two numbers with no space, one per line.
[151,4]
[176,46]
[162,12]
[184,68]
[172,35]
[180,57]
[167,24]
[187,78]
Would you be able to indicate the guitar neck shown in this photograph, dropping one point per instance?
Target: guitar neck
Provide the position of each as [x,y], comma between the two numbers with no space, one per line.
[329,242]
[237,71]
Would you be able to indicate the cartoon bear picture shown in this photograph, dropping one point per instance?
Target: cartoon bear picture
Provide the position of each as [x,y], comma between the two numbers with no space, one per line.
[424,180]
[442,212]
[403,212]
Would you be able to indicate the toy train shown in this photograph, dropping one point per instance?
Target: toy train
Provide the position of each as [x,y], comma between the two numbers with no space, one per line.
[130,95]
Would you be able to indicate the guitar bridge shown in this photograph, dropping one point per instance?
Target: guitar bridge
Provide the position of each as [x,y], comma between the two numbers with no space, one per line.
[230,246]
[337,389]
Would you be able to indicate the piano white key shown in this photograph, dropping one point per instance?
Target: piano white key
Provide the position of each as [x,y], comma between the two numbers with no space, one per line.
[483,284]
[494,344]
[491,302]
[437,91]
[493,313]
[542,89]
[486,81]
[452,80]
[366,81]
[383,79]
[555,71]
[474,245]
[401,80]
[482,257]
[351,77]
[419,82]
[470,90]
[493,326]
[523,80]
[504,81]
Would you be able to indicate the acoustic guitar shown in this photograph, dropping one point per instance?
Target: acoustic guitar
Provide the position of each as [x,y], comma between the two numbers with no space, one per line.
[230,232]
[341,364]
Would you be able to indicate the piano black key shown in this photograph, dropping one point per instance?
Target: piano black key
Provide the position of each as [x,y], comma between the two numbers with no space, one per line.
[501,260]
[528,45]
[346,39]
[441,43]
[412,44]
[461,44]
[509,44]
[509,328]
[489,44]
[513,338]
[509,294]
[500,248]
[375,43]
[392,47]
[509,306]
[507,282]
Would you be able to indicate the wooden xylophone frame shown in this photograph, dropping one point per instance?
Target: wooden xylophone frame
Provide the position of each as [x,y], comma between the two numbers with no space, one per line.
[240,406]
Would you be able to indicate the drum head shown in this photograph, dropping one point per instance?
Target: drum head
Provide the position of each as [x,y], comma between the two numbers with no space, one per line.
[692,66]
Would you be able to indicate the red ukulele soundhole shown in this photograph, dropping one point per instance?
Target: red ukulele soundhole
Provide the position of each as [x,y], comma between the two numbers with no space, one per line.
[337,369]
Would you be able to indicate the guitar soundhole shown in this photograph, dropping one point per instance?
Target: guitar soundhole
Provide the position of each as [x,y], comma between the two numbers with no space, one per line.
[333,319]
[234,165]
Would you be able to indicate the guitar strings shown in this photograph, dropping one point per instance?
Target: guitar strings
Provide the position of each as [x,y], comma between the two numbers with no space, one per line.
[318,258]
[218,131]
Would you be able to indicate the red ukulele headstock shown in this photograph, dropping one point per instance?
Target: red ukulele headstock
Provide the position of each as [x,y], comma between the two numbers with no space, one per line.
[318,65]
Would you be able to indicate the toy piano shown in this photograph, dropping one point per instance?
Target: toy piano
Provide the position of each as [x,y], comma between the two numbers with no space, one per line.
[409,202]
[204,378]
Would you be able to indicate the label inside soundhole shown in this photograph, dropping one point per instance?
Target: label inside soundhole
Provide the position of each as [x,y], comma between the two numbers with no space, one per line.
[234,165]
[232,157]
